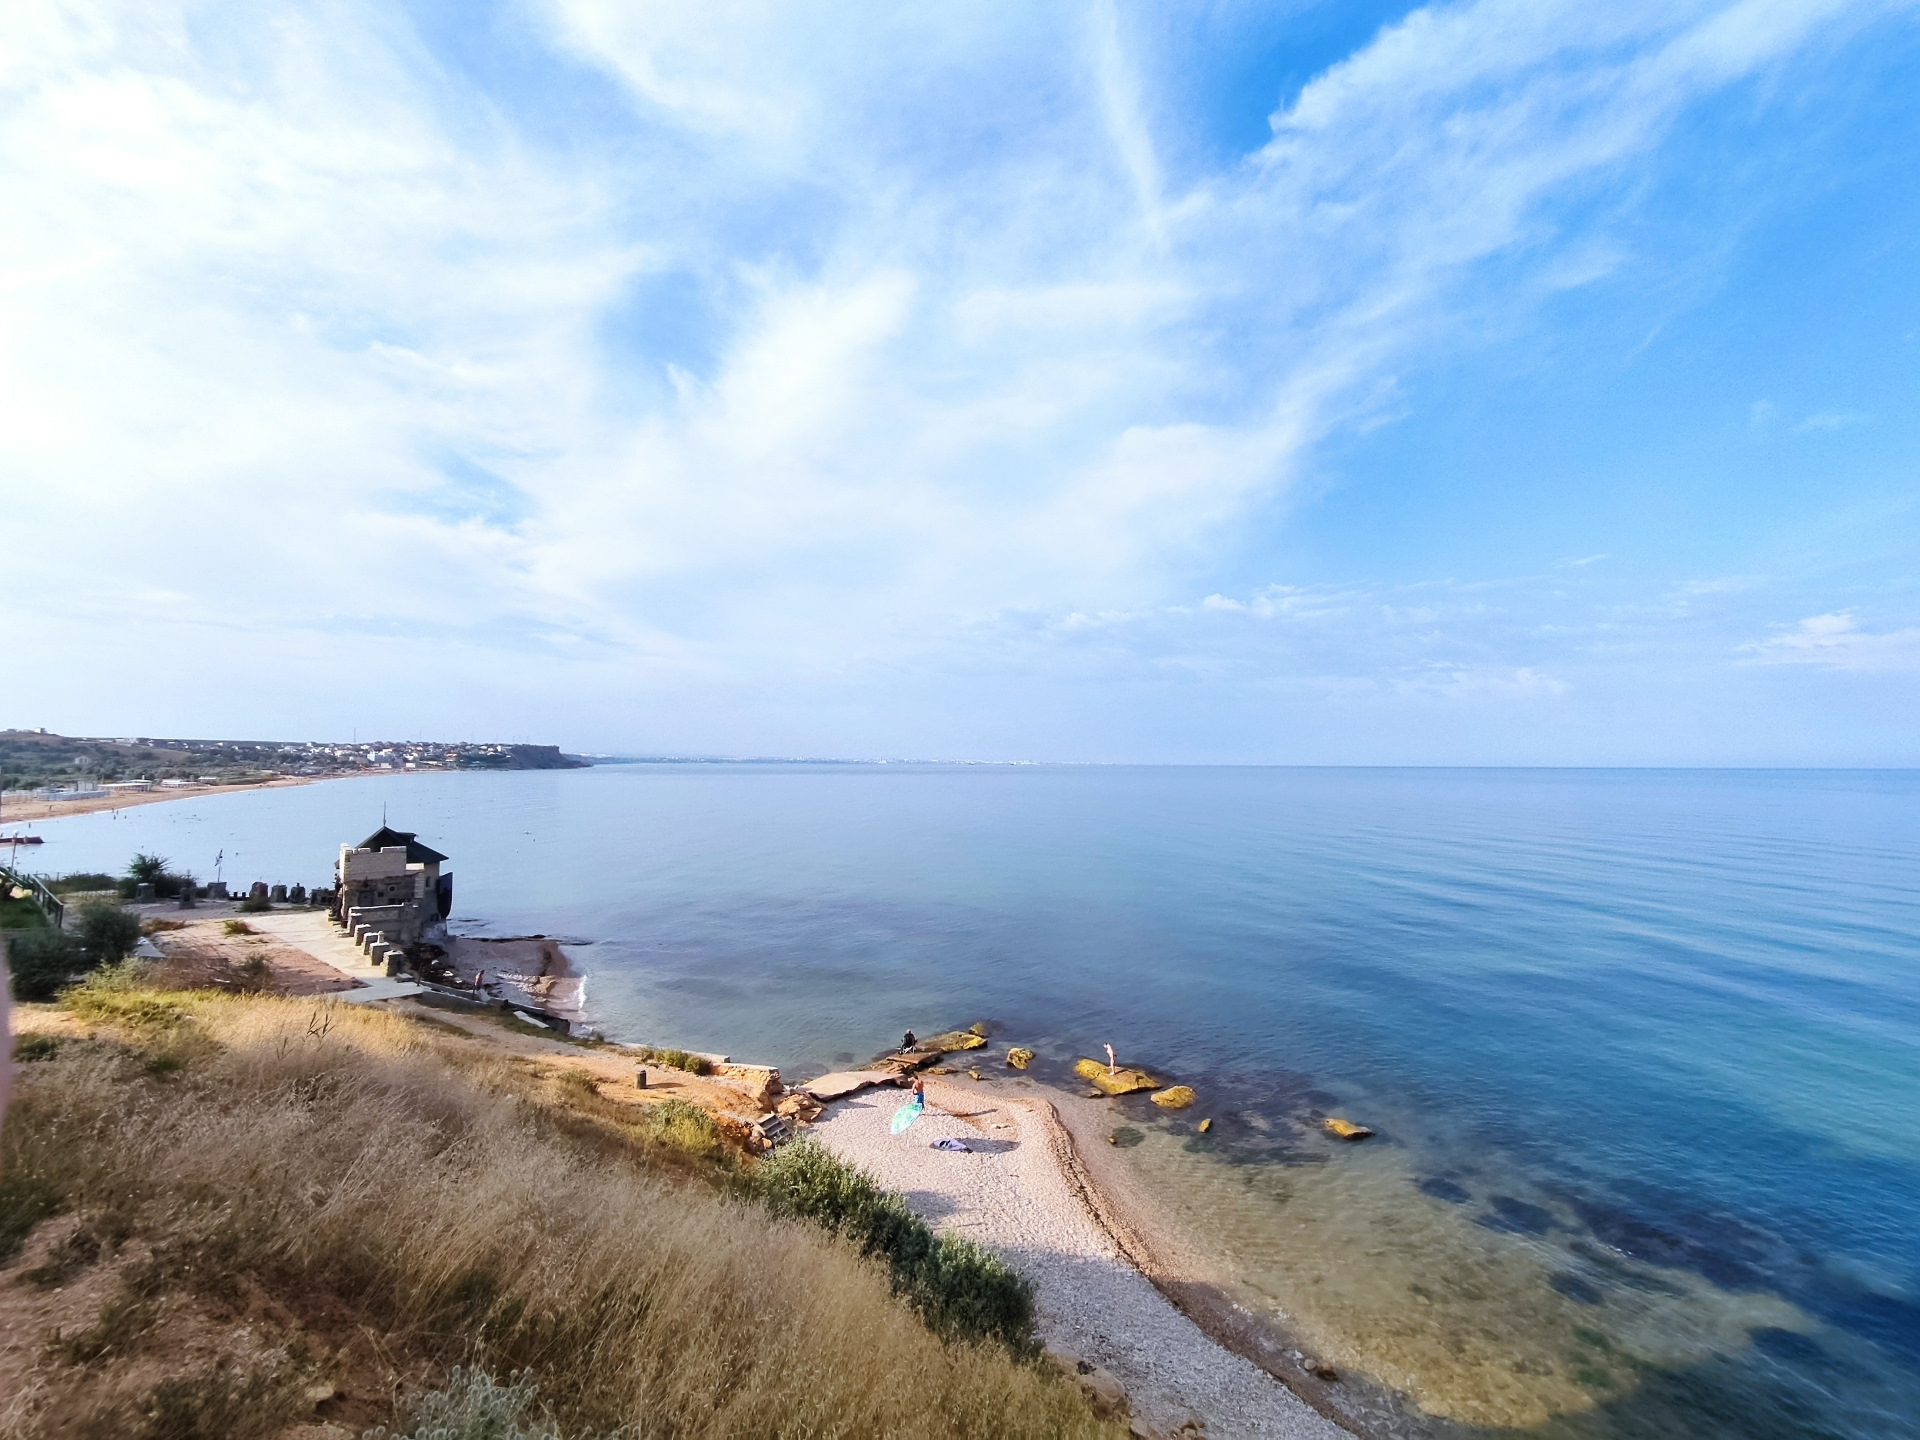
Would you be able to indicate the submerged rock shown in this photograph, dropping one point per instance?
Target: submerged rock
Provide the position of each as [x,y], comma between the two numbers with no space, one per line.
[1177,1097]
[1019,1057]
[1206,1125]
[1346,1129]
[1123,1081]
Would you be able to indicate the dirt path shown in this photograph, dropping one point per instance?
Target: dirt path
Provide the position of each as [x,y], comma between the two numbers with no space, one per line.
[612,1067]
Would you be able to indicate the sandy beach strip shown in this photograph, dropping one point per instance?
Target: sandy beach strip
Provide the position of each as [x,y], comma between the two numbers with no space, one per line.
[1022,1194]
[19,809]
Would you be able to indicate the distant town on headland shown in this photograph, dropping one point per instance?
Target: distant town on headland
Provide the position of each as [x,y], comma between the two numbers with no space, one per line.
[39,760]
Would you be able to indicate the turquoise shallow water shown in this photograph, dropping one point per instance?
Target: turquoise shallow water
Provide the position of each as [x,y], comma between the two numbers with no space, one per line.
[1644,1047]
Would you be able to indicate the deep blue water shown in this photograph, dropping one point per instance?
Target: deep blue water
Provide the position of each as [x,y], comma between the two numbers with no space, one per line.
[1684,1004]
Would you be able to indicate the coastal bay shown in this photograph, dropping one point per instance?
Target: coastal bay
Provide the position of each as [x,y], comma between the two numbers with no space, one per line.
[1662,1229]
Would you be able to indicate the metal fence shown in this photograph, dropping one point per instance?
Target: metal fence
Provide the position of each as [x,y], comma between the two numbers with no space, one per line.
[51,905]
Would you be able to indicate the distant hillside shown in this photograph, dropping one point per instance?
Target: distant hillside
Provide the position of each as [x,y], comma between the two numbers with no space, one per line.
[30,759]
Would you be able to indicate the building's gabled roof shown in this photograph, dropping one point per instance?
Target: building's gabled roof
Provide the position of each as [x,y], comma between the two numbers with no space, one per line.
[386,838]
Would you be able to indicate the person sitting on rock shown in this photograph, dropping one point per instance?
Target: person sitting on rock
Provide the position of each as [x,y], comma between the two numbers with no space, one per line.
[907,1043]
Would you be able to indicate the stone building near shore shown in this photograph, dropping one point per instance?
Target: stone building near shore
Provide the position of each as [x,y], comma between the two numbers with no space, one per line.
[392,886]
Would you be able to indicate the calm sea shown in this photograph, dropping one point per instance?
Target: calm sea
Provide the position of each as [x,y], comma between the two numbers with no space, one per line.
[1643,1048]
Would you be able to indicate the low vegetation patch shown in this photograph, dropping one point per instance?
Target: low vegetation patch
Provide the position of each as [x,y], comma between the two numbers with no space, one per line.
[83,883]
[21,914]
[675,1059]
[237,927]
[41,961]
[400,1203]
[677,1125]
[959,1288]
[474,1407]
[29,1048]
[25,1200]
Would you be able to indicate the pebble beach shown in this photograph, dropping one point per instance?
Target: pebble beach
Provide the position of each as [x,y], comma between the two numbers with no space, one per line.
[1016,1193]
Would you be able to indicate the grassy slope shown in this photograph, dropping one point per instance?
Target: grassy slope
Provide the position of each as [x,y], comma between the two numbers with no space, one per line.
[241,1202]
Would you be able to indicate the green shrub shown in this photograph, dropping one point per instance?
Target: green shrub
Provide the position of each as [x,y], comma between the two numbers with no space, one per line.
[238,927]
[106,933]
[681,1126]
[41,961]
[29,1048]
[25,1200]
[960,1289]
[675,1060]
[254,904]
[475,1407]
[152,870]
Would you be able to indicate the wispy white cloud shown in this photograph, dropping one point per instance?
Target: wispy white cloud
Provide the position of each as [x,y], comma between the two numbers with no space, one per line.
[306,317]
[1836,641]
[1829,420]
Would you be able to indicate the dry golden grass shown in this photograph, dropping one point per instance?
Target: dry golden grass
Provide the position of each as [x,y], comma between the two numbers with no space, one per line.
[373,1206]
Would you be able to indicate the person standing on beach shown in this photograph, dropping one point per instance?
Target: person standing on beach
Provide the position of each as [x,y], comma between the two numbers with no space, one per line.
[1113,1066]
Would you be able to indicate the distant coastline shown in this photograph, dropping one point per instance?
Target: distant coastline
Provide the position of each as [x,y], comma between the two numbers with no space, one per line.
[43,778]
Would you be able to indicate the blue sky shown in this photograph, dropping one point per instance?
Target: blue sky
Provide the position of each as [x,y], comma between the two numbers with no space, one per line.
[1479,383]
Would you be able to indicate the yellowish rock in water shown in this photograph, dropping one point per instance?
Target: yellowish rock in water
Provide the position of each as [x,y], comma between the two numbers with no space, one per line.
[1177,1097]
[1346,1129]
[973,1072]
[1206,1125]
[954,1040]
[1019,1057]
[1121,1082]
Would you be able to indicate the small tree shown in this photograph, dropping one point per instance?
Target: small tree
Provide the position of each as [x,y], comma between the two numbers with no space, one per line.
[152,870]
[41,961]
[106,934]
